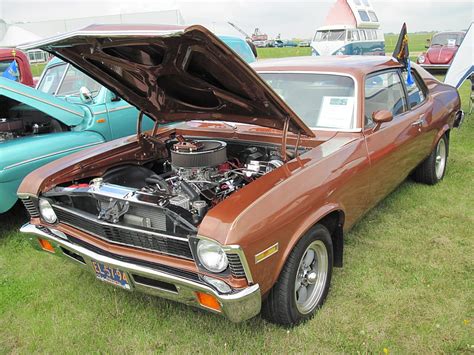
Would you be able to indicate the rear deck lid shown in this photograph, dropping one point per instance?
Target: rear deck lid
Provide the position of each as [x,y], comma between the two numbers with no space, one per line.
[174,73]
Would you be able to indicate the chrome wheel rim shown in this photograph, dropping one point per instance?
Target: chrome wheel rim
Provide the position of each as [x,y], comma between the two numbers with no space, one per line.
[440,161]
[311,277]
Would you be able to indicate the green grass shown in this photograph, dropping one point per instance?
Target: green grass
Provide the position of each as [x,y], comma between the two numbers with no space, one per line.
[407,286]
[264,53]
[417,42]
[37,69]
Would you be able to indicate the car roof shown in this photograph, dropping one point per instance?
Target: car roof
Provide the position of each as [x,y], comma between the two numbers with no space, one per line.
[353,65]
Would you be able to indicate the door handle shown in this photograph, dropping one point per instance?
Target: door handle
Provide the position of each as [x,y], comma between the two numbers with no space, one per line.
[418,123]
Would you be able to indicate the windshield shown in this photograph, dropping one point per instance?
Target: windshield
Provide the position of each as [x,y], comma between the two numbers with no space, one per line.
[320,100]
[330,35]
[54,81]
[447,39]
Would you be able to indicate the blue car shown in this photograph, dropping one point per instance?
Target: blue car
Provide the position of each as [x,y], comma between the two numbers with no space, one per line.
[67,112]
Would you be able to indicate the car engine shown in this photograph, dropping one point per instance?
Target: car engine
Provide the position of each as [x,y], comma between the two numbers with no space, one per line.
[19,120]
[175,193]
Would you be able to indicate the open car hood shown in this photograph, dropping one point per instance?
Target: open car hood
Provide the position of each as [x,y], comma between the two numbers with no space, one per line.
[68,113]
[174,73]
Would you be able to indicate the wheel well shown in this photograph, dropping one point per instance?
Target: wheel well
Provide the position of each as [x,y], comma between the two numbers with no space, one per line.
[334,222]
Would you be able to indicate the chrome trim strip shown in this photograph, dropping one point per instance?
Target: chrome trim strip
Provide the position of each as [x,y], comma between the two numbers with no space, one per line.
[119,108]
[113,109]
[43,101]
[104,223]
[238,306]
[356,91]
[50,154]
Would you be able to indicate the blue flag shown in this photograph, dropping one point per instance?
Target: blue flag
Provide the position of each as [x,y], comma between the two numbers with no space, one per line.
[410,80]
[11,72]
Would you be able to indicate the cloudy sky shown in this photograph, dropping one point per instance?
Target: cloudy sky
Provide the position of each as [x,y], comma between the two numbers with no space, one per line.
[290,18]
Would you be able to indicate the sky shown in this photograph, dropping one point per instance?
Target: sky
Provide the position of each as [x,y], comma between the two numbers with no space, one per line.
[291,19]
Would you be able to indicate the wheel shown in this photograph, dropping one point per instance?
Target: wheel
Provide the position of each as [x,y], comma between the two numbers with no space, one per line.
[304,282]
[433,168]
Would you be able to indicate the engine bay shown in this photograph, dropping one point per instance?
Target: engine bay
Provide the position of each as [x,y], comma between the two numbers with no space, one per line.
[175,193]
[19,120]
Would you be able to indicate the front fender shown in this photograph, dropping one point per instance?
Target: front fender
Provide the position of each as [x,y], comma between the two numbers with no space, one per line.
[21,156]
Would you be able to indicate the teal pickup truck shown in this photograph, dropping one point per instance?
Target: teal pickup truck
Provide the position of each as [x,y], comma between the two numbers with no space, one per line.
[67,112]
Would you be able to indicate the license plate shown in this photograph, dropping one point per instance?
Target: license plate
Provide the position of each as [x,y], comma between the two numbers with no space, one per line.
[111,275]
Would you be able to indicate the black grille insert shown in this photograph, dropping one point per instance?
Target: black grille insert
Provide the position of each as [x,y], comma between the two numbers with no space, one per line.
[73,255]
[30,206]
[125,236]
[168,269]
[154,283]
[235,265]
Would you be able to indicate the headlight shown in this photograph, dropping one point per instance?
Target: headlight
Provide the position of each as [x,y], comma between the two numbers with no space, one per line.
[212,256]
[421,59]
[47,211]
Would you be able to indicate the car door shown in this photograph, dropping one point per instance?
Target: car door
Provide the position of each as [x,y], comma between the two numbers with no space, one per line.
[392,146]
[420,105]
[123,117]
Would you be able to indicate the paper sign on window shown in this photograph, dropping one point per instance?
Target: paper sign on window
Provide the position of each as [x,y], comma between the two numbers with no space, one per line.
[336,112]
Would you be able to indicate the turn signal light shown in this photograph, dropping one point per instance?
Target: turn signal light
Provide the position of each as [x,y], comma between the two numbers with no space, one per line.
[46,245]
[208,301]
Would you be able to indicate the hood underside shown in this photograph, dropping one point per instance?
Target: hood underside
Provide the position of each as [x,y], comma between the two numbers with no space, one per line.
[175,74]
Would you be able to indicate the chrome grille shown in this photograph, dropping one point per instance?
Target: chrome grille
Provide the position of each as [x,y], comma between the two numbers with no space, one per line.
[30,207]
[235,265]
[123,235]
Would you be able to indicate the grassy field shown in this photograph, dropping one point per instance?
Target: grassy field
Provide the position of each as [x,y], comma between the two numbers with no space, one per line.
[37,69]
[406,287]
[417,43]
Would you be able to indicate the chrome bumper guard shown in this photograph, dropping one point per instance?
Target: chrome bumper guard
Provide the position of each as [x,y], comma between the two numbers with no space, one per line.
[237,306]
[459,119]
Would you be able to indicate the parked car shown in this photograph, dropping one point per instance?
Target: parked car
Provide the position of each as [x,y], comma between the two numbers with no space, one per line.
[441,50]
[69,111]
[279,43]
[304,44]
[23,73]
[249,203]
[290,44]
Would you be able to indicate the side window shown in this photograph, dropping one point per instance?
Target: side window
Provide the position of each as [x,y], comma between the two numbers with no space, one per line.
[415,91]
[383,91]
[51,78]
[362,35]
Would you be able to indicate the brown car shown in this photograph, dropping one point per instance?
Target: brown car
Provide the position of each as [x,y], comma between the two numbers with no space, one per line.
[242,205]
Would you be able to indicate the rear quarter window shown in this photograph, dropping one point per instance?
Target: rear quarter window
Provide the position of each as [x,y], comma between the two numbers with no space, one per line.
[416,91]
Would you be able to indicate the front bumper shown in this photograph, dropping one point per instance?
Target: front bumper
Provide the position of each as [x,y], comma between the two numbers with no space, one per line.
[428,66]
[237,306]
[459,119]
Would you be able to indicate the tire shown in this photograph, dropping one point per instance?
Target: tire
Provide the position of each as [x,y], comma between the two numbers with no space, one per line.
[433,168]
[286,304]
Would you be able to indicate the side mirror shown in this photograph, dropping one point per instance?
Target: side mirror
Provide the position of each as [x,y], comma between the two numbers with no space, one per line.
[85,95]
[380,117]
